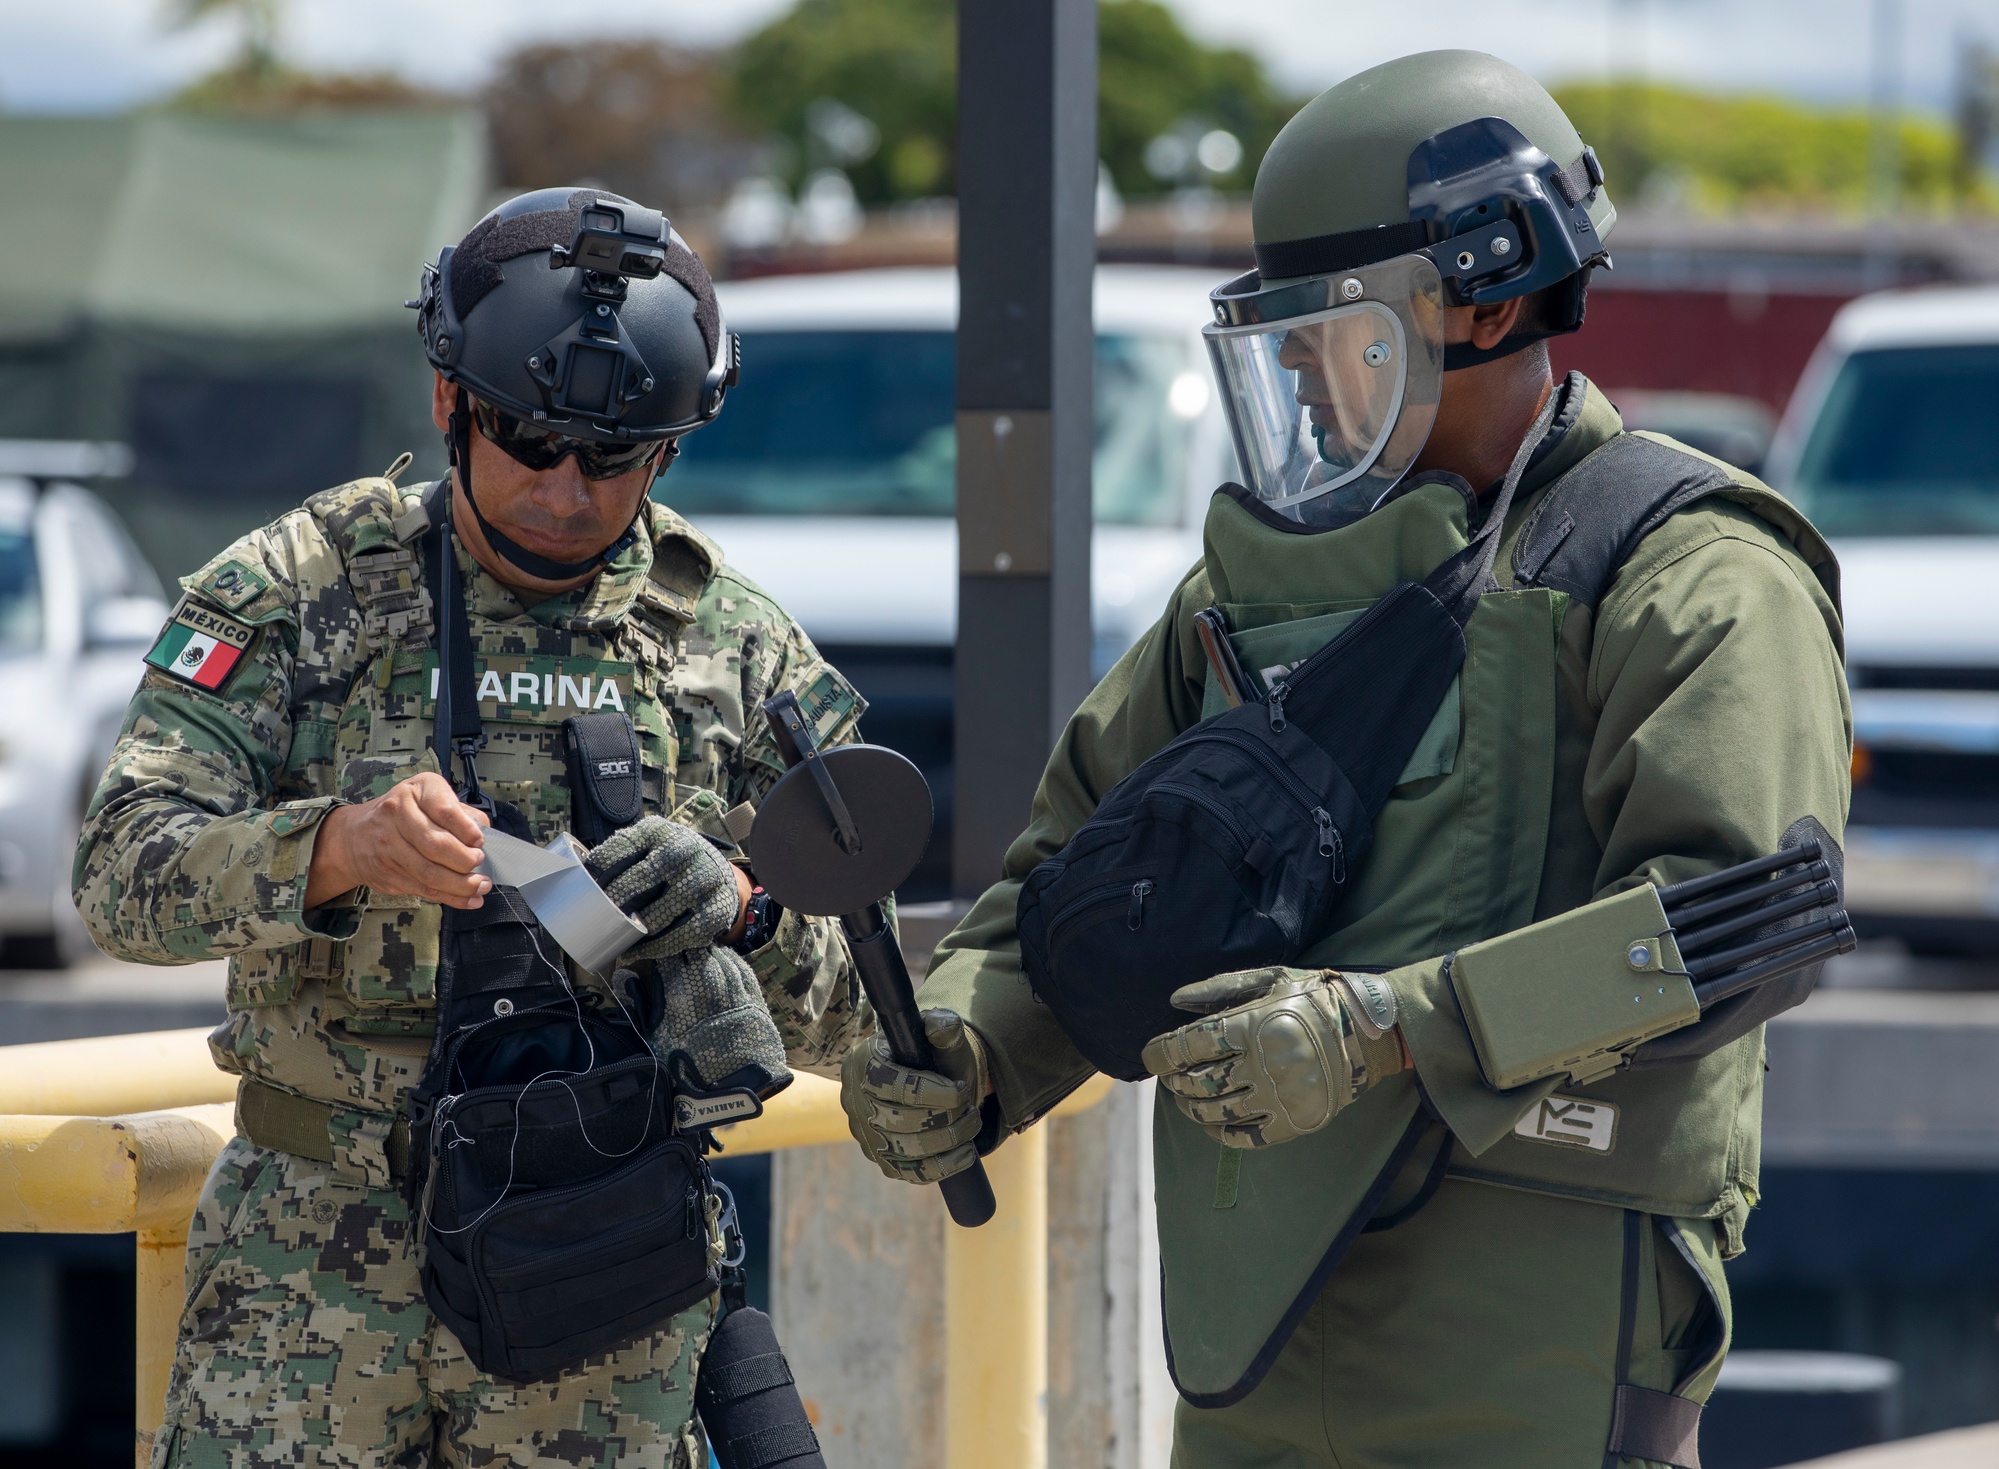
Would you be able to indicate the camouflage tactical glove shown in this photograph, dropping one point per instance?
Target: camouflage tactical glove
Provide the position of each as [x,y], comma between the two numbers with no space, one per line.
[918,1126]
[717,1034]
[670,878]
[1281,1052]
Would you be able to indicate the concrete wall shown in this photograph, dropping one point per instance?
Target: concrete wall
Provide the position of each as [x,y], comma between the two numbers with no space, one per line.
[1884,1078]
[857,1293]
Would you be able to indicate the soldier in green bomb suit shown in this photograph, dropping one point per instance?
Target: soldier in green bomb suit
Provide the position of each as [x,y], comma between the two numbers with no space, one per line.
[276,797]
[1384,1244]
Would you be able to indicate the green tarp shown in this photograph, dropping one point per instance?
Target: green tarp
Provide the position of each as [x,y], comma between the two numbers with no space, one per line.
[226,296]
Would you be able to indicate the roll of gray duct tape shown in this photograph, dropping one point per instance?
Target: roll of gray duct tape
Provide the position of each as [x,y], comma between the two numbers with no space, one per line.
[551,880]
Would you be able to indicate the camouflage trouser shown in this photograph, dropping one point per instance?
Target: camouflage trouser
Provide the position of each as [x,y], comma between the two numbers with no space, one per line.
[306,1342]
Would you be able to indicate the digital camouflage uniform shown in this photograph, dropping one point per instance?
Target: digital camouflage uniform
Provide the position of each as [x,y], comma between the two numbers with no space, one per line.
[306,1338]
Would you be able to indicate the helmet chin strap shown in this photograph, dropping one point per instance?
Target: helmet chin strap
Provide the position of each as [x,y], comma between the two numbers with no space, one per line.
[458,437]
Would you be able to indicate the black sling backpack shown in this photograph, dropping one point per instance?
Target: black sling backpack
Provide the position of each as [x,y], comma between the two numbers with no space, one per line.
[561,1215]
[1230,848]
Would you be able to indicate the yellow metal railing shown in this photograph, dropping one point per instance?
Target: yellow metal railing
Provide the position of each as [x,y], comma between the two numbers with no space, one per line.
[116,1135]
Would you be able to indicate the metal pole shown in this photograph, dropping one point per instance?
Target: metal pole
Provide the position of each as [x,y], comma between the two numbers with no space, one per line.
[1027,185]
[1027,178]
[996,1320]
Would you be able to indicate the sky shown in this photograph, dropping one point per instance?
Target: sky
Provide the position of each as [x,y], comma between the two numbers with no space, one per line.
[101,55]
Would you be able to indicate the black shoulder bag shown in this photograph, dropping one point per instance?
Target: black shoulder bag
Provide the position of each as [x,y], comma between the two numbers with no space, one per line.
[560,1214]
[1230,847]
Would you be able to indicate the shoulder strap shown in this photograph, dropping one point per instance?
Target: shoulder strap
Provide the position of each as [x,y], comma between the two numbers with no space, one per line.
[1467,576]
[456,728]
[1594,516]
[375,534]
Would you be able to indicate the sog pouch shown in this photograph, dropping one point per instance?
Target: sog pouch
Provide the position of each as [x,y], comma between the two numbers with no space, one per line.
[606,790]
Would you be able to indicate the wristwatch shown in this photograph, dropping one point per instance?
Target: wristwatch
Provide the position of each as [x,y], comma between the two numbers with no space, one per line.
[762,913]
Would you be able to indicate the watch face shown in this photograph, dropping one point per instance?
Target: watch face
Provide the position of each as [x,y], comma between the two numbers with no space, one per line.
[763,916]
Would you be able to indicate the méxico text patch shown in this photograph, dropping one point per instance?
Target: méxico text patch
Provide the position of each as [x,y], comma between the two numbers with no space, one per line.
[200,646]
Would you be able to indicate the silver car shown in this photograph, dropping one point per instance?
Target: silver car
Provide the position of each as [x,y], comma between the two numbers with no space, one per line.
[1891,445]
[79,605]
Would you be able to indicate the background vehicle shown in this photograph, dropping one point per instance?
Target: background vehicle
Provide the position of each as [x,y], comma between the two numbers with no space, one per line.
[830,479]
[79,605]
[1726,425]
[1891,445]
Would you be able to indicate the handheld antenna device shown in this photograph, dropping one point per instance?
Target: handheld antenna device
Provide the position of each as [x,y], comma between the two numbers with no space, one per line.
[836,835]
[1715,918]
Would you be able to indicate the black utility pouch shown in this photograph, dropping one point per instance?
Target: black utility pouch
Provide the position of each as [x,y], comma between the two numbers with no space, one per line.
[606,778]
[562,1216]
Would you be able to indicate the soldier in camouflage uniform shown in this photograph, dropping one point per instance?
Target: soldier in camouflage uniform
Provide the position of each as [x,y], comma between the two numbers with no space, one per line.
[276,771]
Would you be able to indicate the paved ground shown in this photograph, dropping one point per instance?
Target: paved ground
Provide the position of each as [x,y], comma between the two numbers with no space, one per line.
[1961,1448]
[107,997]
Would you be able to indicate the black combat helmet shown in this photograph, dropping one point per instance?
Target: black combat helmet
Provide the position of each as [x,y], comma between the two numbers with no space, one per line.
[581,323]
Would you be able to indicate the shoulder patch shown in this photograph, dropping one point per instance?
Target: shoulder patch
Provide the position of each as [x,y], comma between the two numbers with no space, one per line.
[200,646]
[831,703]
[680,570]
[233,584]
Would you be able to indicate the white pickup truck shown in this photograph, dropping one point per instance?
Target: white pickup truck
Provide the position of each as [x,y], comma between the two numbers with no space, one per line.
[829,479]
[1891,445]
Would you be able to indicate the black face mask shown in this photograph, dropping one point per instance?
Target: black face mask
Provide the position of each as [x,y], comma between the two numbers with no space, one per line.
[458,437]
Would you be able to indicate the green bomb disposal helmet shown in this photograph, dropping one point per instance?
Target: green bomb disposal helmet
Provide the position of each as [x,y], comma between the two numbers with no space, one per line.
[1448,178]
[581,324]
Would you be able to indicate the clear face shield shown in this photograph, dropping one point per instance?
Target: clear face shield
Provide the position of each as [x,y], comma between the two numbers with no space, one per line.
[1330,384]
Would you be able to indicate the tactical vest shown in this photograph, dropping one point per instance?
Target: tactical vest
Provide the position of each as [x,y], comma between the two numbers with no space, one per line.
[361,723]
[1249,1238]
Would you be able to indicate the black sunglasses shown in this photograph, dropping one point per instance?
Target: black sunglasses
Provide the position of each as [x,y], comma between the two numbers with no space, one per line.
[540,448]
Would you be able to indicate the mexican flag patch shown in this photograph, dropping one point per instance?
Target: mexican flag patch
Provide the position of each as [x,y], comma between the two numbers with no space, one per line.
[200,647]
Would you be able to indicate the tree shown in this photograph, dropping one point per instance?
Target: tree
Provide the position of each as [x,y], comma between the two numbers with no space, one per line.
[259,21]
[894,62]
[638,117]
[1718,153]
[259,81]
[1152,77]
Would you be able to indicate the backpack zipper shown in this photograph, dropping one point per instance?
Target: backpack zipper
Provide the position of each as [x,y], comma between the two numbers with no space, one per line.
[1095,896]
[1134,917]
[1199,799]
[1279,692]
[1238,740]
[1330,844]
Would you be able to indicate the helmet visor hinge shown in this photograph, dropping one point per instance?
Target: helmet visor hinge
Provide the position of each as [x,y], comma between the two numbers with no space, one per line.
[1478,257]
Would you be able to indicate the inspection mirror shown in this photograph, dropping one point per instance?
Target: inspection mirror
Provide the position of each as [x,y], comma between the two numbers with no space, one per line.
[801,854]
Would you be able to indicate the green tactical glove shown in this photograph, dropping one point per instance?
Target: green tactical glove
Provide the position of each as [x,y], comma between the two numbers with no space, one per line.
[918,1126]
[1281,1052]
[669,877]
